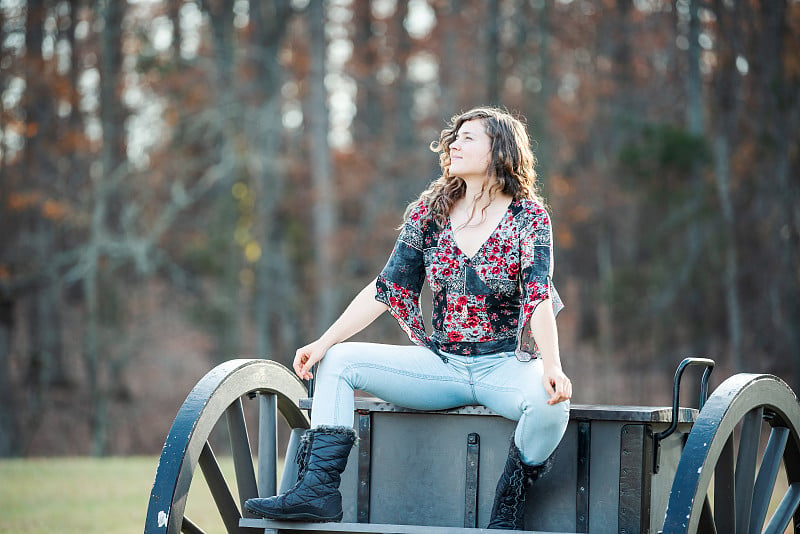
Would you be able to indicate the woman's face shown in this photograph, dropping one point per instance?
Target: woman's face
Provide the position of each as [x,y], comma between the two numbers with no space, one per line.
[470,152]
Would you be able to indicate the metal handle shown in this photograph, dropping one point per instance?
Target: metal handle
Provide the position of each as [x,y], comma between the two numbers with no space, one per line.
[676,394]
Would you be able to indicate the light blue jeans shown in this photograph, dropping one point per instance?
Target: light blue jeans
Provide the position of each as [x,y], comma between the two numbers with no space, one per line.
[415,377]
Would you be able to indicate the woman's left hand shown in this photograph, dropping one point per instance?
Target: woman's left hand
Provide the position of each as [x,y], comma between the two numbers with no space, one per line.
[557,385]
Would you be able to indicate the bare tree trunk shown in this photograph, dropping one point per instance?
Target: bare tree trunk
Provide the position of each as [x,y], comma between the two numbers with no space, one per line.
[368,131]
[535,21]
[174,14]
[7,417]
[404,143]
[9,435]
[493,77]
[695,124]
[113,160]
[324,211]
[3,87]
[226,324]
[369,115]
[727,113]
[450,71]
[39,115]
[46,359]
[613,42]
[722,173]
[375,129]
[274,281]
[694,83]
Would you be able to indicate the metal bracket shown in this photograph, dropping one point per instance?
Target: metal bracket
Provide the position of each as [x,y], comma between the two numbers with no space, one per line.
[635,480]
[582,490]
[364,466]
[471,486]
[676,393]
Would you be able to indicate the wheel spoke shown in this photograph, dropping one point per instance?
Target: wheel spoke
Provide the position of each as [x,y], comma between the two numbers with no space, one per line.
[746,467]
[267,444]
[724,489]
[188,527]
[785,510]
[773,455]
[707,525]
[242,456]
[220,491]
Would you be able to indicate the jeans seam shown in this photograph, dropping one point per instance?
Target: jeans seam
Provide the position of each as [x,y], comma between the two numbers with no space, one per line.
[392,370]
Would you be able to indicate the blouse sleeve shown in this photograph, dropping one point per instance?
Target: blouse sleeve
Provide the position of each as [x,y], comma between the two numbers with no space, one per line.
[536,257]
[399,285]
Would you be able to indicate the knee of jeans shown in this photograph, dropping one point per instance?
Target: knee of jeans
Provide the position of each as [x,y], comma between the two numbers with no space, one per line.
[336,360]
[546,416]
[542,431]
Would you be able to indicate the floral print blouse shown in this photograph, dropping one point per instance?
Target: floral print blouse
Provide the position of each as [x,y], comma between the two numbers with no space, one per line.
[481,304]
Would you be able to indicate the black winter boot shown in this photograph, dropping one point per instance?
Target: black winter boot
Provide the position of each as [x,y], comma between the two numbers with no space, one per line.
[316,495]
[508,512]
[301,455]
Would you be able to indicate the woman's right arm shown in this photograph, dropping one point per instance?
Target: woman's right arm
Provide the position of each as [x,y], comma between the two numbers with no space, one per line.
[359,314]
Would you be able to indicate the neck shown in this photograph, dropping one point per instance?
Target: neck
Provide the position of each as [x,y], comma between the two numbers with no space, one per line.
[476,198]
[473,193]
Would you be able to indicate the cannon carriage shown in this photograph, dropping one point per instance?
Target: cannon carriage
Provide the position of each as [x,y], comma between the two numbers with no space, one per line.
[732,465]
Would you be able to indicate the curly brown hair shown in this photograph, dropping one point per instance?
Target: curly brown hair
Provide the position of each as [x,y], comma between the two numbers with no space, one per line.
[512,164]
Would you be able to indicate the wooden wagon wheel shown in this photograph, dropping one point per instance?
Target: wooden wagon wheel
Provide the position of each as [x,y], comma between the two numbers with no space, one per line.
[220,393]
[725,442]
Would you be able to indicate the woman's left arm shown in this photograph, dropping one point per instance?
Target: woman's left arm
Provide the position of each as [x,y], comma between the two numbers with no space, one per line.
[545,333]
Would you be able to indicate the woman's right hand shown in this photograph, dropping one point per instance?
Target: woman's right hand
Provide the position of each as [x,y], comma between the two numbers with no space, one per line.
[306,357]
[359,313]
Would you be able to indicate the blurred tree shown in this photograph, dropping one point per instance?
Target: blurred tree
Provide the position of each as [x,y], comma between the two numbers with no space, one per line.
[371,135]
[726,109]
[105,199]
[324,196]
[264,126]
[493,75]
[226,149]
[44,363]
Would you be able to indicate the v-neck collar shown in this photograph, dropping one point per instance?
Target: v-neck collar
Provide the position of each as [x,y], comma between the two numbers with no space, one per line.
[486,241]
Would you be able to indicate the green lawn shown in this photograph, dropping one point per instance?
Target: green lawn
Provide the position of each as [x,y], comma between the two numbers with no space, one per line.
[86,495]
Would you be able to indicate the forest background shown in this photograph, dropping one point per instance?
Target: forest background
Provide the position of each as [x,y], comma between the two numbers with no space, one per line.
[184,182]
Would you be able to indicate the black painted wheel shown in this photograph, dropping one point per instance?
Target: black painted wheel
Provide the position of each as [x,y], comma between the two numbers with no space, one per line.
[222,392]
[745,435]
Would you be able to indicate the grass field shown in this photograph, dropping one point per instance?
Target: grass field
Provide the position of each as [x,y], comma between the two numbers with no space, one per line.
[88,495]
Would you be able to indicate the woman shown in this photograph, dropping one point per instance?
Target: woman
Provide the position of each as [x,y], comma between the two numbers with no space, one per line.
[483,240]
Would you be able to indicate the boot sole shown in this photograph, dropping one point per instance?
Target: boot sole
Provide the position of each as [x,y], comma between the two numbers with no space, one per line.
[295,517]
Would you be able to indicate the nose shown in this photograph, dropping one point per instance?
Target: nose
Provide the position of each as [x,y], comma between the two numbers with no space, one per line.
[455,146]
